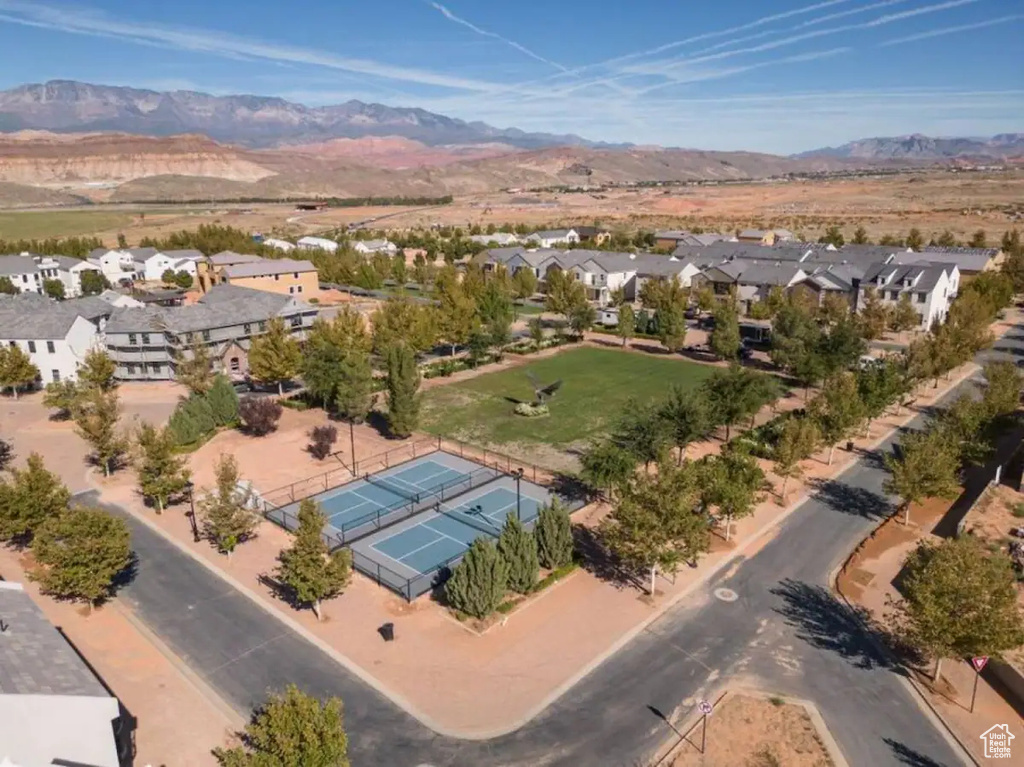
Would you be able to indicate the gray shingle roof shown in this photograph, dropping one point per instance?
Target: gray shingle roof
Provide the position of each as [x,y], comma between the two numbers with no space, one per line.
[34,658]
[11,265]
[751,233]
[229,257]
[177,255]
[768,274]
[223,306]
[966,259]
[141,254]
[927,275]
[552,234]
[30,316]
[268,267]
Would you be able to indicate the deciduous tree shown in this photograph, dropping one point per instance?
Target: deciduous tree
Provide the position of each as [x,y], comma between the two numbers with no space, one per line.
[904,317]
[275,357]
[162,473]
[627,324]
[874,316]
[606,466]
[94,283]
[259,415]
[724,340]
[80,553]
[61,396]
[838,410]
[731,482]
[194,369]
[16,369]
[97,370]
[96,415]
[798,441]
[32,496]
[402,320]
[1002,393]
[226,516]
[642,432]
[307,568]
[54,289]
[925,466]
[688,415]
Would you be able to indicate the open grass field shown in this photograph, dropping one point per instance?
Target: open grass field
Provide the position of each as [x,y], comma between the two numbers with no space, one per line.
[31,225]
[598,383]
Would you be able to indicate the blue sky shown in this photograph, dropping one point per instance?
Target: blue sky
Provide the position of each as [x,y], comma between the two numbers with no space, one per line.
[765,75]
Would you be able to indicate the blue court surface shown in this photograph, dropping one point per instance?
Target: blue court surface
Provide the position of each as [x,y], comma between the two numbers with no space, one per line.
[364,505]
[407,555]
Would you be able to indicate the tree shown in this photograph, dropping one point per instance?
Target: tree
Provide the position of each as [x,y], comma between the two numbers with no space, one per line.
[274,357]
[307,568]
[833,236]
[33,496]
[731,482]
[799,439]
[672,327]
[7,287]
[553,533]
[860,236]
[535,327]
[524,283]
[226,516]
[162,473]
[642,432]
[904,317]
[874,315]
[259,415]
[655,525]
[494,309]
[733,394]
[403,385]
[16,369]
[606,466]
[838,410]
[400,320]
[346,331]
[97,370]
[80,553]
[946,240]
[875,388]
[223,401]
[194,371]
[518,548]
[959,601]
[964,427]
[289,730]
[321,440]
[978,240]
[925,466]
[96,415]
[688,416]
[477,346]
[354,395]
[321,359]
[564,292]
[94,283]
[456,313]
[54,289]
[915,240]
[627,324]
[167,277]
[724,340]
[835,307]
[183,280]
[61,396]
[478,583]
[581,318]
[6,454]
[1002,394]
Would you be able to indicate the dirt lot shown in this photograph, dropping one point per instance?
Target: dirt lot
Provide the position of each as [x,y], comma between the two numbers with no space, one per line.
[747,731]
[931,200]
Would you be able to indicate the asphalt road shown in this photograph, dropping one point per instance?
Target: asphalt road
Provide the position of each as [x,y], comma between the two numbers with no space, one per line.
[784,631]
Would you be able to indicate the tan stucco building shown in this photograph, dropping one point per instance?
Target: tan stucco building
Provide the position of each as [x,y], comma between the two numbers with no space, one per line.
[283,276]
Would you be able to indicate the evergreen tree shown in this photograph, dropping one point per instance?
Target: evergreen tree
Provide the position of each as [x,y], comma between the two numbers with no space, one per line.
[194,370]
[860,236]
[33,496]
[915,241]
[97,370]
[518,548]
[223,401]
[61,396]
[959,601]
[354,396]
[162,474]
[307,568]
[80,553]
[96,417]
[627,324]
[275,357]
[226,516]
[553,534]
[16,369]
[478,583]
[292,729]
[403,386]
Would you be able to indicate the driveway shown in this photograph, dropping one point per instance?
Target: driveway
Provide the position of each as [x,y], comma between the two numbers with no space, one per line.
[778,626]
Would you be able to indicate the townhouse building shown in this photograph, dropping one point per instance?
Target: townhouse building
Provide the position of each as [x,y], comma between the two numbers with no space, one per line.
[317,243]
[931,287]
[56,335]
[551,237]
[370,247]
[284,276]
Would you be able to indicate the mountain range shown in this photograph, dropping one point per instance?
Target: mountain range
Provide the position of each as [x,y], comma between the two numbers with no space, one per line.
[918,147]
[251,121]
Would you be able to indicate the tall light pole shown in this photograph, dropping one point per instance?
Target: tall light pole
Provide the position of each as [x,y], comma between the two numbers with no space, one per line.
[191,513]
[518,474]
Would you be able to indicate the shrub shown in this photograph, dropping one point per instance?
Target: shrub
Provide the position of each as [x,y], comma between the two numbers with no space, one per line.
[259,415]
[192,420]
[223,401]
[321,440]
[1018,511]
[531,411]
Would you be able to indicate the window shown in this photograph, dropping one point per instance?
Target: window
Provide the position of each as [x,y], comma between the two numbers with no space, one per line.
[132,340]
[190,336]
[299,289]
[922,297]
[235,365]
[50,348]
[277,276]
[291,289]
[295,275]
[247,328]
[55,375]
[156,366]
[142,367]
[894,295]
[297,321]
[31,347]
[263,326]
[206,335]
[145,339]
[130,369]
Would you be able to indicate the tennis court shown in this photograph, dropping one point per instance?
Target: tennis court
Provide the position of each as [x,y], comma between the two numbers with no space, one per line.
[360,507]
[408,556]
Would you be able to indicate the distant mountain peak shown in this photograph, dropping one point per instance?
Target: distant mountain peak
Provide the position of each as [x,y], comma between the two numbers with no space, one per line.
[917,146]
[256,121]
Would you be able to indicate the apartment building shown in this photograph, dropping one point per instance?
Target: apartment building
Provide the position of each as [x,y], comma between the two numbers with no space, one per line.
[283,276]
[144,342]
[932,287]
[56,335]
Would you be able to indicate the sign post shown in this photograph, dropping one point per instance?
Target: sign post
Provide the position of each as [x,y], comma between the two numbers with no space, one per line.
[705,708]
[979,663]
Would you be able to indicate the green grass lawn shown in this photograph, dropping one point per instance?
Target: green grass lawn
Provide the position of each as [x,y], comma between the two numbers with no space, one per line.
[32,225]
[597,383]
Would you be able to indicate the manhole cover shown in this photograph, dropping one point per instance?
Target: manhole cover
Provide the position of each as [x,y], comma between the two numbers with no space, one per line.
[726,595]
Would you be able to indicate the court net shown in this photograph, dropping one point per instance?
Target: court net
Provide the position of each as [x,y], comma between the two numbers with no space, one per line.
[392,486]
[469,518]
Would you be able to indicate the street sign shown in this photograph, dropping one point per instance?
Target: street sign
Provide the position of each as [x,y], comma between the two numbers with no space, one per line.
[979,662]
[705,707]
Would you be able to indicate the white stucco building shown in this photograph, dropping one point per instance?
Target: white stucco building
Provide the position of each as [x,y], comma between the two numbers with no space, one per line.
[932,287]
[317,243]
[55,335]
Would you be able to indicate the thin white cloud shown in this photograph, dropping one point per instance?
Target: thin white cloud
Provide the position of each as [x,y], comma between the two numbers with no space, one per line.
[952,30]
[486,33]
[851,12]
[79,22]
